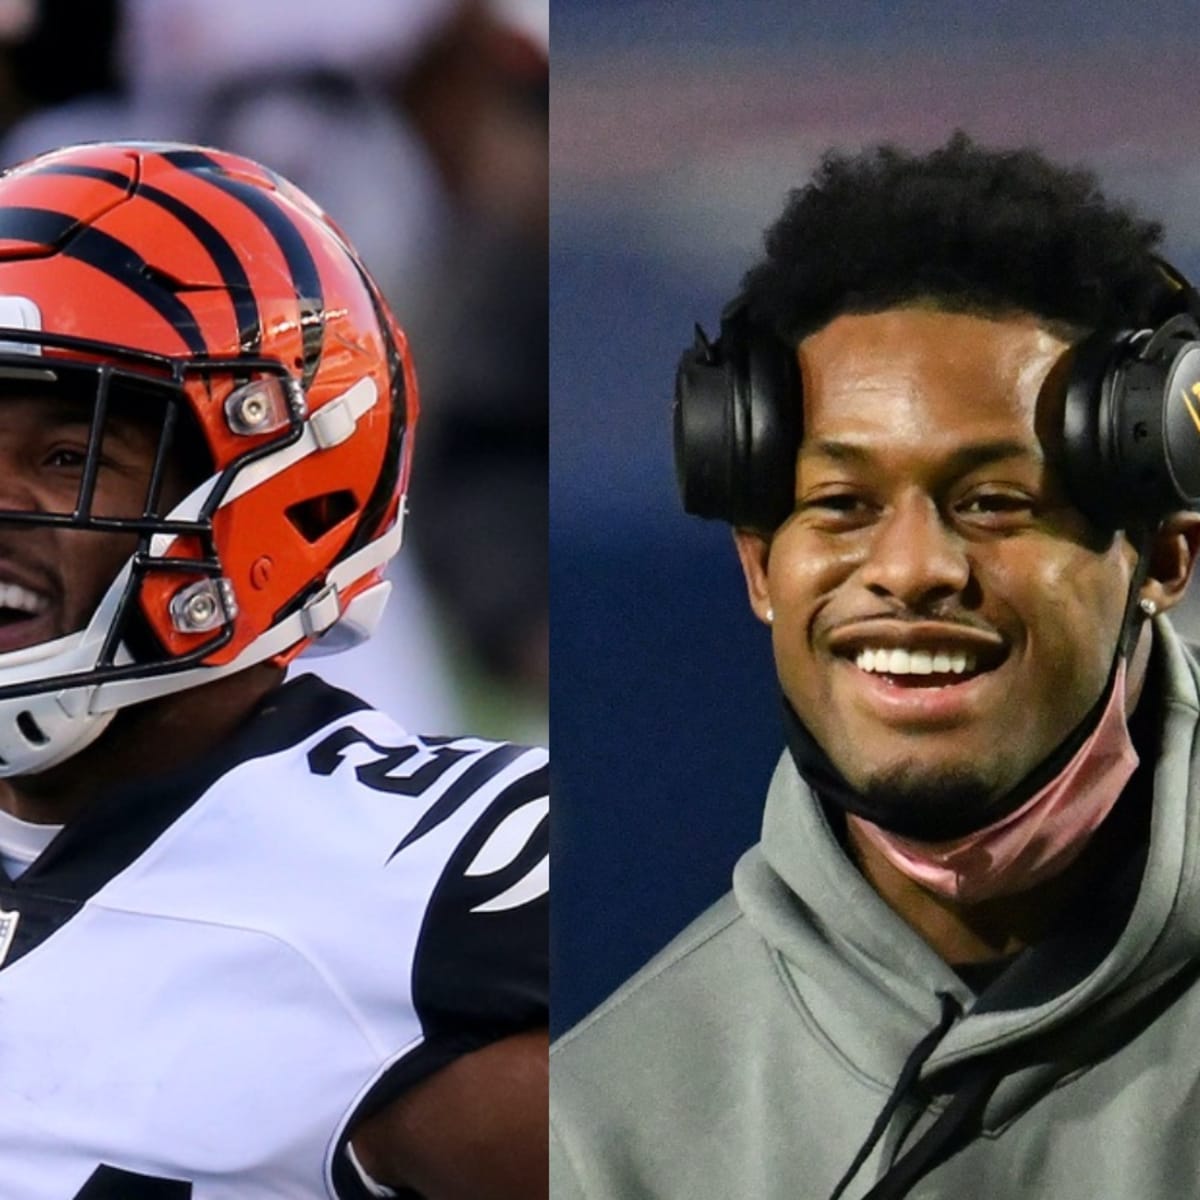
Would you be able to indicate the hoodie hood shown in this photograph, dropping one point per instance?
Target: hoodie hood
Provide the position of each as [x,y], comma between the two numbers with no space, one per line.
[875,989]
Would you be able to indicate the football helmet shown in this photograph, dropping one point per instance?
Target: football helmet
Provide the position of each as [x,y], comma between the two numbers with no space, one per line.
[219,299]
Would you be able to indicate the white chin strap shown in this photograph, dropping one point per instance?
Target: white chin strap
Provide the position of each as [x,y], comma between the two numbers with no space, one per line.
[38,732]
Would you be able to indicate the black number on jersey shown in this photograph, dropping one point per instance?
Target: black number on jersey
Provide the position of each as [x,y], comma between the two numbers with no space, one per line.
[323,759]
[111,1183]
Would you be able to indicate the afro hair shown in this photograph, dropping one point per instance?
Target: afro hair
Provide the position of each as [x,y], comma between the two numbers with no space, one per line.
[964,228]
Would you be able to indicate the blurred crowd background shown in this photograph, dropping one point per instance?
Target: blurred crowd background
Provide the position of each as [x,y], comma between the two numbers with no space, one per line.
[678,129]
[421,127]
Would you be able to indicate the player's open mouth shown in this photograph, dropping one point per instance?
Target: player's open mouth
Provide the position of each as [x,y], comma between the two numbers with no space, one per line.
[919,671]
[24,616]
[19,603]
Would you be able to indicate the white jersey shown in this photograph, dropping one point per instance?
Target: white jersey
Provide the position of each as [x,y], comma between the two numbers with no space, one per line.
[207,982]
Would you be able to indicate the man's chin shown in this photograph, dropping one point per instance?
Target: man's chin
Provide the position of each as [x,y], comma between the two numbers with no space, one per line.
[939,805]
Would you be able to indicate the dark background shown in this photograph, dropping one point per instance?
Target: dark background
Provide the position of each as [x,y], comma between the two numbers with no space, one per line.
[676,130]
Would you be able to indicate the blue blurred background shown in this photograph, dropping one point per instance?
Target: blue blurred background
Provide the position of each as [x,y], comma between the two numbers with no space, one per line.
[676,131]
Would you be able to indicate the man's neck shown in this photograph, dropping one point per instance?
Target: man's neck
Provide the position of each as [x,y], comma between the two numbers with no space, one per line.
[143,741]
[985,930]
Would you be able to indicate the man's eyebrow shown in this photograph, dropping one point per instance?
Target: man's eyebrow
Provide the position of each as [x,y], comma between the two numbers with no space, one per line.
[965,458]
[65,411]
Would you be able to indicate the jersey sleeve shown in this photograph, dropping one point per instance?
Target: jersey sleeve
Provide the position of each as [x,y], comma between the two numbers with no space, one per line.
[482,962]
[481,968]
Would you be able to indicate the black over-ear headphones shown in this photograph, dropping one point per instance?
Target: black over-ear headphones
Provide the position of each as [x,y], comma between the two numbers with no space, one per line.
[1131,423]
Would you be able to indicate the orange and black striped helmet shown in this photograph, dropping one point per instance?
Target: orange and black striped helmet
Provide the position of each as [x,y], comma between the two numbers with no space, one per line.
[209,284]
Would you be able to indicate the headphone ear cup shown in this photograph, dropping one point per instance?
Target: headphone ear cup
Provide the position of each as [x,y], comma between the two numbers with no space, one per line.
[771,431]
[1181,427]
[1131,425]
[737,428]
[704,454]
[1088,465]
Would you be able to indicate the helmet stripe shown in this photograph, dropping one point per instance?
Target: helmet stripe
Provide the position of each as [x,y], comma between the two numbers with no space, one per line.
[38,226]
[121,262]
[107,254]
[379,502]
[306,280]
[102,173]
[233,274]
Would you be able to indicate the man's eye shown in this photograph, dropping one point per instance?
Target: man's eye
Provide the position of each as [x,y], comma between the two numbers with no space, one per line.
[837,511]
[64,456]
[842,502]
[989,503]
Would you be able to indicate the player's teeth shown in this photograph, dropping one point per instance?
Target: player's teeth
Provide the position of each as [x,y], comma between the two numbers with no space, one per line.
[899,661]
[13,595]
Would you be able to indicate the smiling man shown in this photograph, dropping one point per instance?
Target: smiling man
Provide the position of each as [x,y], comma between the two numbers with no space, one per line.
[256,941]
[950,418]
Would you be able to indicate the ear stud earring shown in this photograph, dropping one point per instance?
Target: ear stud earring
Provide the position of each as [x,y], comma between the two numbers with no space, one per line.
[1148,607]
[770,616]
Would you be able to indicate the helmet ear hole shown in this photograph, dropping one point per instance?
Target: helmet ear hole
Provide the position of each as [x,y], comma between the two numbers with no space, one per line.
[30,729]
[317,516]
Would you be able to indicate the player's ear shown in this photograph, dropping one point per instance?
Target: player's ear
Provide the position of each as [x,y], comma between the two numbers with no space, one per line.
[754,551]
[1172,559]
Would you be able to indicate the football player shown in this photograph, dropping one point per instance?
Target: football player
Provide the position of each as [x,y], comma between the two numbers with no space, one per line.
[256,941]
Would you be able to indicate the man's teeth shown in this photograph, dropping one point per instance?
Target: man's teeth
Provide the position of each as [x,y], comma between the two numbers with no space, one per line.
[916,662]
[14,596]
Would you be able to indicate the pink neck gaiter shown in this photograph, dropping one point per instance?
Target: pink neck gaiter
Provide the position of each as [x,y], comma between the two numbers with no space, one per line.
[1036,841]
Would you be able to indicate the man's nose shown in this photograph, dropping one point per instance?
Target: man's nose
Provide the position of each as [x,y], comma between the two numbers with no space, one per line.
[914,556]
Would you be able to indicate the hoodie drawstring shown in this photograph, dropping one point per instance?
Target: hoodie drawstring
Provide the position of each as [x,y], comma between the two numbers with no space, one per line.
[940,1140]
[908,1076]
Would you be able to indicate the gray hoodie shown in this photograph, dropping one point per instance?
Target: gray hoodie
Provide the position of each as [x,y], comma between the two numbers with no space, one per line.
[753,1056]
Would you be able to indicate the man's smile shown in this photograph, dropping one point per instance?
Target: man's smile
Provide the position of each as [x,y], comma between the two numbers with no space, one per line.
[923,673]
[28,611]
[919,653]
[20,603]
